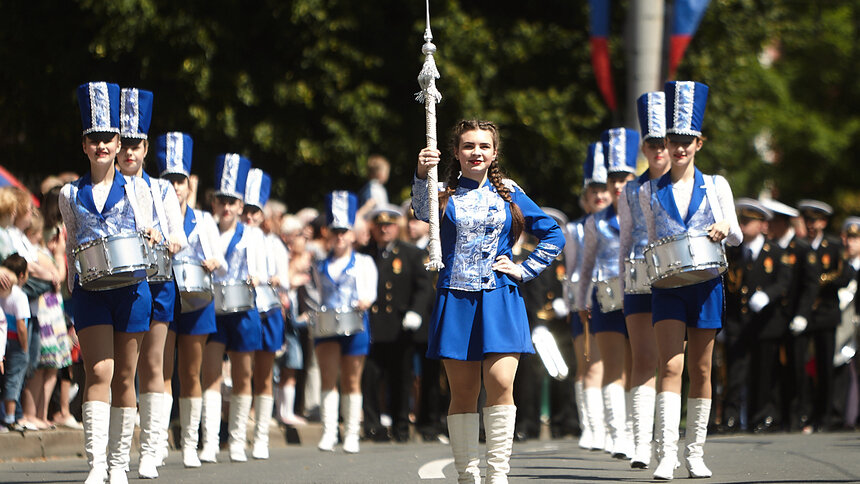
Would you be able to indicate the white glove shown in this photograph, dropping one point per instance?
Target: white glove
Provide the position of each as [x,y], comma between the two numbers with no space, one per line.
[758,301]
[559,305]
[798,325]
[411,321]
[846,297]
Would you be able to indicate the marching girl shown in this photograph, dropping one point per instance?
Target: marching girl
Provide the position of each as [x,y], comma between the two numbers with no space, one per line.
[589,371]
[637,306]
[686,201]
[110,324]
[190,328]
[345,279]
[257,190]
[239,332]
[602,242]
[479,324]
[155,404]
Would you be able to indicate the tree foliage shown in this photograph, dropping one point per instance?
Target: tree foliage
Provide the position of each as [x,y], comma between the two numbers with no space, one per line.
[307,89]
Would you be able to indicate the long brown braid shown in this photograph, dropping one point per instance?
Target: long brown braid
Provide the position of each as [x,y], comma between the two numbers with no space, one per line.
[494,173]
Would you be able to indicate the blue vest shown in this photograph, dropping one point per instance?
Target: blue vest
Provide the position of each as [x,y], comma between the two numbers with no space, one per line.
[340,293]
[667,219]
[640,228]
[608,244]
[116,217]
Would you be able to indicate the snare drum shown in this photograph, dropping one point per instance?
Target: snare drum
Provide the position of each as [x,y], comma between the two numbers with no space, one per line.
[114,261]
[684,259]
[326,323]
[267,298]
[195,286]
[636,280]
[164,264]
[609,294]
[233,297]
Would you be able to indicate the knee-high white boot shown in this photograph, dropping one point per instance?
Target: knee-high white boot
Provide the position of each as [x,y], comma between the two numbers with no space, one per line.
[96,418]
[121,431]
[499,426]
[164,434]
[263,405]
[585,436]
[211,422]
[643,425]
[463,435]
[240,407]
[352,421]
[669,409]
[150,407]
[698,413]
[189,420]
[593,400]
[328,414]
[616,418]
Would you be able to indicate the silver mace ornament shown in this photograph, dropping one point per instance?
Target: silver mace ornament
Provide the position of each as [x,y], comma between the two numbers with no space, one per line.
[430,96]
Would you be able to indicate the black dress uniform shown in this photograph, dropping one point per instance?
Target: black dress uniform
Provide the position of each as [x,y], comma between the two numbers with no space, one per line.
[747,274]
[404,285]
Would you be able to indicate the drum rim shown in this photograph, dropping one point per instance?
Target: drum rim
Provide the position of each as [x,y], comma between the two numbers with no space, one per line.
[92,243]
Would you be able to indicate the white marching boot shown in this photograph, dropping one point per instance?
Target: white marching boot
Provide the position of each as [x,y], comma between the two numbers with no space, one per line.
[585,437]
[164,434]
[240,407]
[593,404]
[120,433]
[329,403]
[643,425]
[352,421]
[96,418]
[189,421]
[698,413]
[211,422]
[463,435]
[499,426]
[150,407]
[669,409]
[263,406]
[616,418]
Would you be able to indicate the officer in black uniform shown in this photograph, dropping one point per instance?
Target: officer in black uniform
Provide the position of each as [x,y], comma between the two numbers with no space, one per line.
[403,296]
[797,304]
[833,273]
[756,281]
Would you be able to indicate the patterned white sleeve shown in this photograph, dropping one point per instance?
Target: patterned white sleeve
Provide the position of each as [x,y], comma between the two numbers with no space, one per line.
[71,224]
[727,205]
[645,205]
[144,203]
[366,277]
[175,222]
[625,224]
[209,230]
[281,258]
[257,266]
[420,203]
[588,257]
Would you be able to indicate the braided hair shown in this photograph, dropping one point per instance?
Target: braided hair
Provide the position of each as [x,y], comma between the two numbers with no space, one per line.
[494,173]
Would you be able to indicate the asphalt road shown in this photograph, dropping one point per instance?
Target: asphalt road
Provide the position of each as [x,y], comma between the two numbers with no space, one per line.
[772,458]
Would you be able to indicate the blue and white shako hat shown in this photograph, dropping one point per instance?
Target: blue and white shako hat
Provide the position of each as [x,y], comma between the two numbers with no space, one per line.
[594,169]
[99,103]
[340,209]
[685,107]
[651,107]
[620,148]
[173,154]
[135,113]
[257,188]
[231,175]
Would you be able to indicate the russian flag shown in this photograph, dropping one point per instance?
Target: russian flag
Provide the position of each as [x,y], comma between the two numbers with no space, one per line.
[599,24]
[686,16]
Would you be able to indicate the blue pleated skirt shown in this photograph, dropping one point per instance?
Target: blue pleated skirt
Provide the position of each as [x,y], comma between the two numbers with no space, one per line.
[466,325]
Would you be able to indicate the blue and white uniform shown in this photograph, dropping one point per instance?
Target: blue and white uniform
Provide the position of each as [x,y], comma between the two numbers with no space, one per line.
[478,310]
[91,213]
[343,282]
[574,251]
[601,246]
[634,239]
